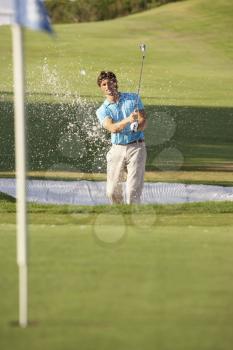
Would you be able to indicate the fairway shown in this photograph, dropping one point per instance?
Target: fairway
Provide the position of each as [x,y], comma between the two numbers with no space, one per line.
[157,280]
[189,55]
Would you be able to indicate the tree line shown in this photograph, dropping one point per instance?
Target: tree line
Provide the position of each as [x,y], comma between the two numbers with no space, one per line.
[71,11]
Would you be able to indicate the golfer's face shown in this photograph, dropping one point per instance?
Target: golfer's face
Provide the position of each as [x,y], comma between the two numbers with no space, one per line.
[108,87]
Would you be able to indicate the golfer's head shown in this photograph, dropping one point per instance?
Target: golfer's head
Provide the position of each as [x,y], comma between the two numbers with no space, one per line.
[107,81]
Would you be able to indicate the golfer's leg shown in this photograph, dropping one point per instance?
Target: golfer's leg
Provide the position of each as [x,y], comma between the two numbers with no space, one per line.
[115,173]
[136,160]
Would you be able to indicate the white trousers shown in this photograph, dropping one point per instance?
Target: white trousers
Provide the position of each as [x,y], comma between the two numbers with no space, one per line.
[130,160]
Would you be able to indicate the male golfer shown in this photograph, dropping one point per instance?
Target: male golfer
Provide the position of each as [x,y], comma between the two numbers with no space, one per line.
[118,114]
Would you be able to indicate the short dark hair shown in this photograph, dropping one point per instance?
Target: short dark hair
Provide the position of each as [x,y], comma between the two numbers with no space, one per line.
[106,75]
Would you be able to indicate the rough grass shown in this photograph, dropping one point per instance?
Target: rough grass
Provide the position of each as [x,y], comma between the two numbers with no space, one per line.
[75,214]
[221,178]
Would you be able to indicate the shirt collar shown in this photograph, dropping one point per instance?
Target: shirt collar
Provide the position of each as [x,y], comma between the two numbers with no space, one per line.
[107,103]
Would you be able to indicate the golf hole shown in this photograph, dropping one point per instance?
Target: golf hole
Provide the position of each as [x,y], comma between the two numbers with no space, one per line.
[31,323]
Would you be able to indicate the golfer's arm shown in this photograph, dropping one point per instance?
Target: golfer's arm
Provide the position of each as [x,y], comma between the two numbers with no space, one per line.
[115,127]
[142,122]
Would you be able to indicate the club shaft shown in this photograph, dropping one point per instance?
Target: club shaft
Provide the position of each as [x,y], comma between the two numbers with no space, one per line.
[139,83]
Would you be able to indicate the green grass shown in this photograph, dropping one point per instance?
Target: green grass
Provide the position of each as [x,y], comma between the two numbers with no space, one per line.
[121,277]
[220,178]
[188,63]
[187,88]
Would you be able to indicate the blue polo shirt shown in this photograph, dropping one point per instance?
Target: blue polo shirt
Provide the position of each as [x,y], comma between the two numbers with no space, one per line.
[120,110]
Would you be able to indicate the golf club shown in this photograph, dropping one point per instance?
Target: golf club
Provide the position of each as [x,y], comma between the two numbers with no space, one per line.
[143,50]
[142,47]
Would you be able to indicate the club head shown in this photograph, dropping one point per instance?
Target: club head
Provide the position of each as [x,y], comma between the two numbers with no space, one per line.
[143,48]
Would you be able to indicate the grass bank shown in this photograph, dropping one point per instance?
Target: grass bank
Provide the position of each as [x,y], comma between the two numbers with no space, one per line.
[67,137]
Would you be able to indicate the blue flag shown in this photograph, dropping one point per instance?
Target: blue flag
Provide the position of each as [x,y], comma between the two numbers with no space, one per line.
[32,14]
[27,13]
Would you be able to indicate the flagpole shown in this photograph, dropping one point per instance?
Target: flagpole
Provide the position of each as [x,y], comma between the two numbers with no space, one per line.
[21,189]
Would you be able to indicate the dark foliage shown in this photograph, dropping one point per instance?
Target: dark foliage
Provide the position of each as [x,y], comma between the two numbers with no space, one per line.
[70,11]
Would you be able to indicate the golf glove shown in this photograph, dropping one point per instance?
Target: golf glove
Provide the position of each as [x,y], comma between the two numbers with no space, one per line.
[134,126]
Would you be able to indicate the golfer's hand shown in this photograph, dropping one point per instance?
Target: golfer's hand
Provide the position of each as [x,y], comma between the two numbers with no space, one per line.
[133,116]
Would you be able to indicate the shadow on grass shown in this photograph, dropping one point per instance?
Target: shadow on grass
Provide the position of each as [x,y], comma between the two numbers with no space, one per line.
[65,136]
[6,198]
[196,138]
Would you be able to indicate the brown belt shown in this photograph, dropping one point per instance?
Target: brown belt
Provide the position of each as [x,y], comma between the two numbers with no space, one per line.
[130,143]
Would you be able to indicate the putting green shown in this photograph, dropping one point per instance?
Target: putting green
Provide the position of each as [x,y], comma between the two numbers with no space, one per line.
[160,287]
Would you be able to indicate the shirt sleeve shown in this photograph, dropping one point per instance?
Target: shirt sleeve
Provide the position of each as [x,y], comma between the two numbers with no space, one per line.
[102,114]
